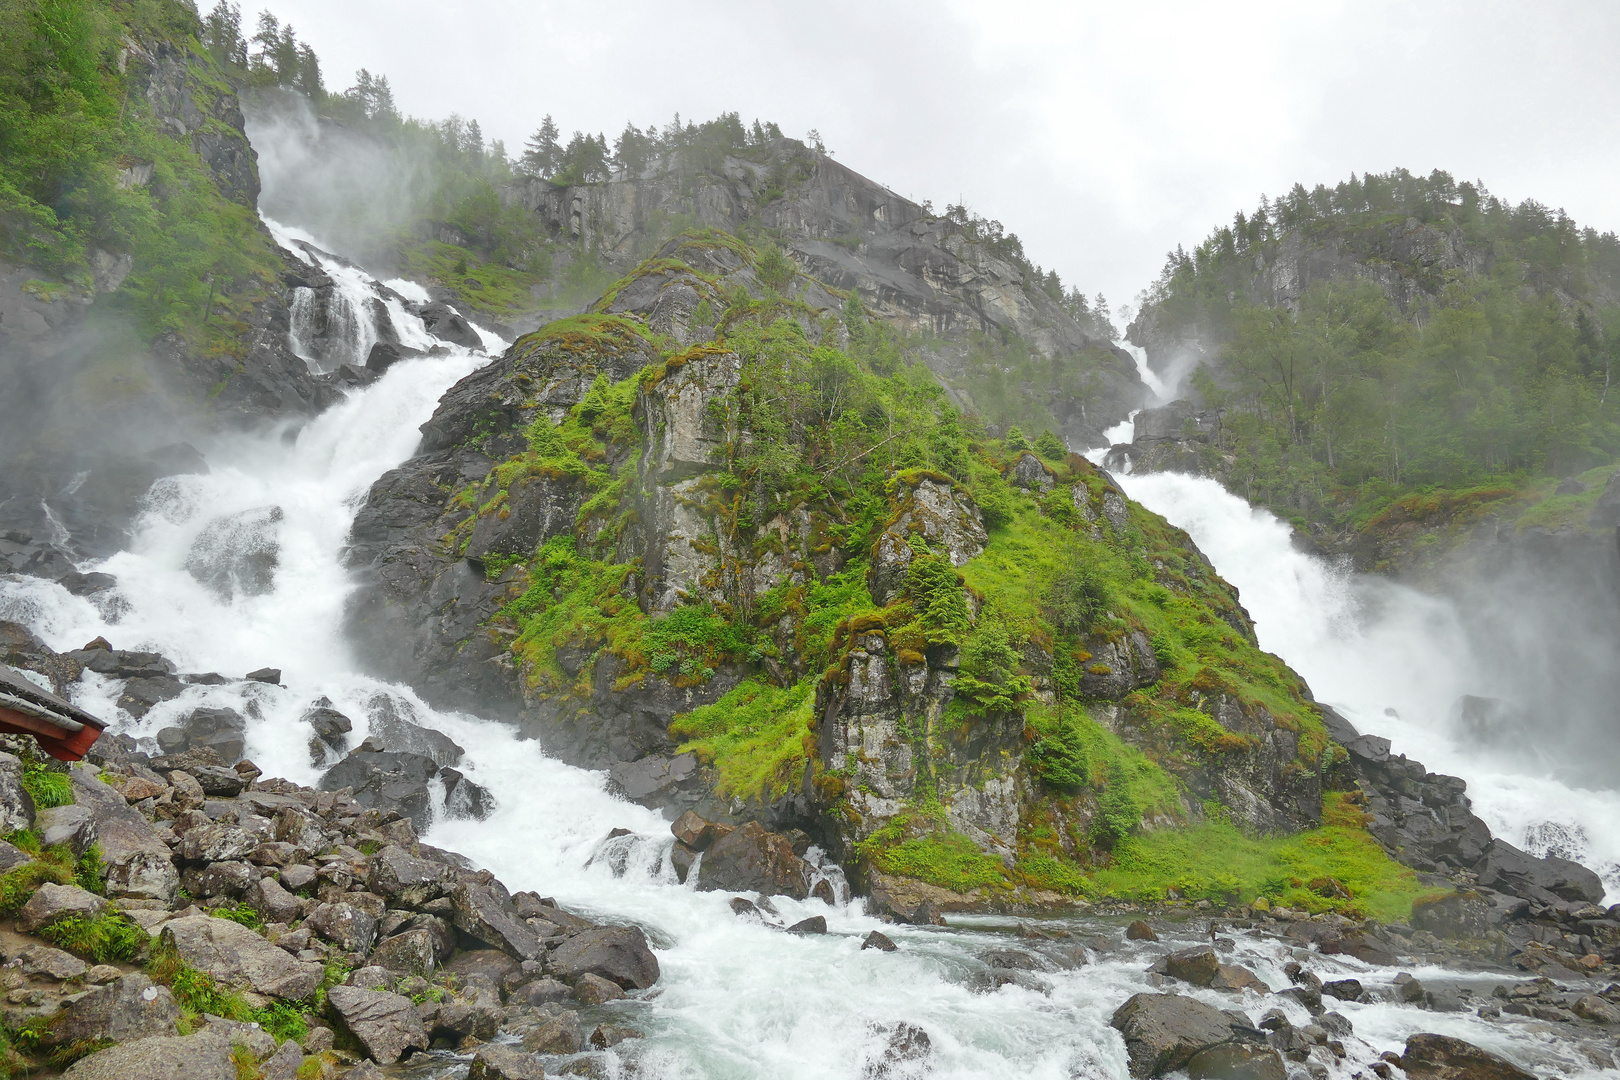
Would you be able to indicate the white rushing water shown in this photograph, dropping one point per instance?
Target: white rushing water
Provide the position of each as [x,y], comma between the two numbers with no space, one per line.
[1393,661]
[737,999]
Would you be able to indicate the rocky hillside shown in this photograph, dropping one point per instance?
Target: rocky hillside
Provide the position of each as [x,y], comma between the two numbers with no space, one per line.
[697,538]
[1348,346]
[964,297]
[141,299]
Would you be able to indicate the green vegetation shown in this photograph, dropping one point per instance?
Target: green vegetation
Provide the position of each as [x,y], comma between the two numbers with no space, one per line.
[46,786]
[759,735]
[920,845]
[1488,376]
[106,939]
[197,993]
[1337,867]
[239,913]
[87,168]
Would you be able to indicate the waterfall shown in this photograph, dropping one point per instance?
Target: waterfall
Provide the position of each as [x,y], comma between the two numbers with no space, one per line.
[1395,662]
[739,998]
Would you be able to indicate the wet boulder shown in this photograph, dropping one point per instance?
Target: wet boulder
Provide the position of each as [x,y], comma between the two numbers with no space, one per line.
[1441,1057]
[237,554]
[617,953]
[1237,1061]
[386,780]
[1163,1032]
[446,323]
[385,354]
[463,798]
[330,731]
[750,859]
[221,730]
[141,695]
[394,726]
[493,1061]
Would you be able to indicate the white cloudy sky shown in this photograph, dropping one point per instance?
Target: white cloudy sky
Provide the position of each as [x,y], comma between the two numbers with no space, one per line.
[1102,133]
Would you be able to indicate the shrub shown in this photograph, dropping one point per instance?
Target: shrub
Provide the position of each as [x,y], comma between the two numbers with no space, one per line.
[104,939]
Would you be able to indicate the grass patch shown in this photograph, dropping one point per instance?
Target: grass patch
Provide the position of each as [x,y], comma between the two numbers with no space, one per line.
[758,737]
[106,939]
[241,914]
[47,787]
[919,844]
[1217,862]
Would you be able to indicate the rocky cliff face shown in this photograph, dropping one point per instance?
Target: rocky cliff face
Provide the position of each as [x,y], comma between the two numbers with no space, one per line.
[89,392]
[592,543]
[914,270]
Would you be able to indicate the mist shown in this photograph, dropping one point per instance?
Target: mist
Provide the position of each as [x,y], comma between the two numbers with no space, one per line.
[352,191]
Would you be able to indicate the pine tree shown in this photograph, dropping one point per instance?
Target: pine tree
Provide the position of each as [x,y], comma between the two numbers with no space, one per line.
[542,155]
[1050,447]
[222,34]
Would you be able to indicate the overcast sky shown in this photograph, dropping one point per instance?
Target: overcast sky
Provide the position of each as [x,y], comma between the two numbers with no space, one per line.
[1103,134]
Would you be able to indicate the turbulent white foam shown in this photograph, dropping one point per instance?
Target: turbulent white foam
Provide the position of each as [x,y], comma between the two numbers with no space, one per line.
[1394,661]
[737,999]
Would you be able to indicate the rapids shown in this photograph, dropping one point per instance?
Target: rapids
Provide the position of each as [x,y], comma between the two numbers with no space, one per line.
[737,999]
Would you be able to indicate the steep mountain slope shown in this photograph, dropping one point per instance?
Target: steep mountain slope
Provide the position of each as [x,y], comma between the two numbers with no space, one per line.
[140,295]
[432,202]
[697,537]
[966,299]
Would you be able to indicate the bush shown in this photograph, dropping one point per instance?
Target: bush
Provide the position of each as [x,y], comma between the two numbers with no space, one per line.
[105,939]
[1077,598]
[1050,447]
[46,787]
[935,589]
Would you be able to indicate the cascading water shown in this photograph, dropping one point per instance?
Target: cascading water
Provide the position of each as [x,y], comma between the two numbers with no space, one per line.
[738,998]
[1394,662]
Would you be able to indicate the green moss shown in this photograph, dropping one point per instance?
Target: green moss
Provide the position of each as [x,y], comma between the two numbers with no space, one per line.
[757,736]
[1217,862]
[939,857]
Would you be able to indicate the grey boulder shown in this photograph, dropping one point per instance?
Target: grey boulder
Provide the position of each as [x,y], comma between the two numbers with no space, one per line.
[52,903]
[236,956]
[386,1024]
[616,953]
[203,1056]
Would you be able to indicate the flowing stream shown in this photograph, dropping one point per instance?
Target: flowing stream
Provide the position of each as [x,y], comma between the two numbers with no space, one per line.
[738,998]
